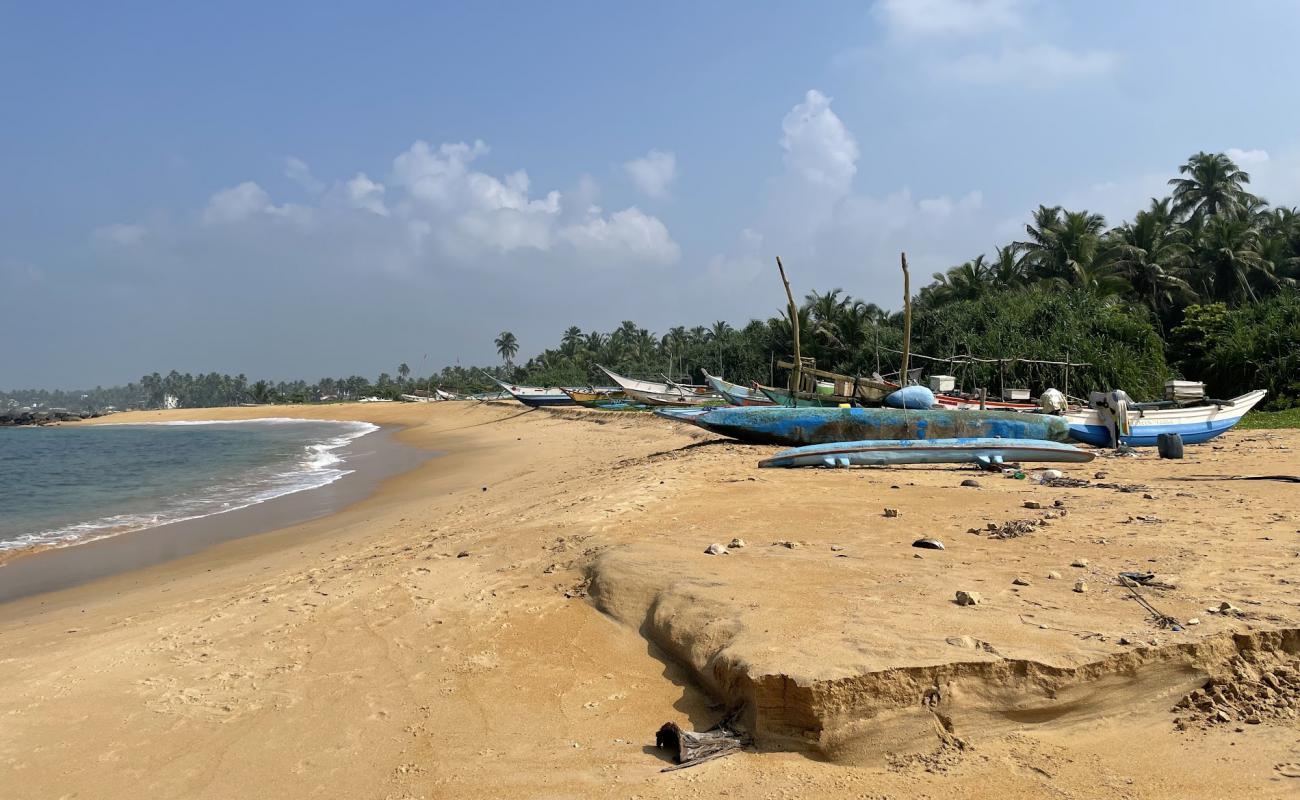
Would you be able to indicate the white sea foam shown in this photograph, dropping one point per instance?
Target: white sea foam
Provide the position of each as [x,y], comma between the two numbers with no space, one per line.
[319,466]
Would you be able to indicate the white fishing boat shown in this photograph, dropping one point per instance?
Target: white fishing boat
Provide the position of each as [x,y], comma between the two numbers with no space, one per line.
[736,394]
[1139,424]
[537,396]
[664,394]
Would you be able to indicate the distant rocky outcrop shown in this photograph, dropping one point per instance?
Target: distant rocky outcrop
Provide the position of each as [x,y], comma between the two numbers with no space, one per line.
[42,416]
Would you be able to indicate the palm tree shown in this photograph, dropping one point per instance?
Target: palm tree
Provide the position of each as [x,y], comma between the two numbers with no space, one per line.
[403,372]
[1062,244]
[718,334]
[827,307]
[571,340]
[1213,185]
[1152,254]
[1008,269]
[1228,261]
[507,346]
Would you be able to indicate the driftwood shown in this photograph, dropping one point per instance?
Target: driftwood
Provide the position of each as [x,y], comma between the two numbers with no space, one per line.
[695,747]
[1282,478]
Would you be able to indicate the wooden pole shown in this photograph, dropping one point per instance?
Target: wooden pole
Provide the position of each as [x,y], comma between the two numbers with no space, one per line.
[796,376]
[1067,373]
[907,322]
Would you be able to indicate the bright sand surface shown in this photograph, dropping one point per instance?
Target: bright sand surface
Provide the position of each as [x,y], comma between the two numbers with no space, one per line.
[516,618]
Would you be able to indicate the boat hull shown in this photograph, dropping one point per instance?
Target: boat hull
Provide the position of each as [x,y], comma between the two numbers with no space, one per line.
[1195,424]
[782,398]
[540,400]
[931,451]
[674,399]
[804,426]
[736,394]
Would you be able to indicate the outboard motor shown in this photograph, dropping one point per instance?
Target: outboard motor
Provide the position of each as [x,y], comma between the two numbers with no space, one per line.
[1113,407]
[1052,402]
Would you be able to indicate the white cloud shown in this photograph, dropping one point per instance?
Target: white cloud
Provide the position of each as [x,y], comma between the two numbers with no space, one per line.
[296,170]
[818,148]
[985,43]
[1033,65]
[121,235]
[653,173]
[434,208]
[365,194]
[1247,158]
[237,203]
[925,18]
[629,233]
[832,232]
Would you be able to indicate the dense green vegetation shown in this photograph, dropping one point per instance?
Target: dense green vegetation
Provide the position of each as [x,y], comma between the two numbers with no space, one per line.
[1200,284]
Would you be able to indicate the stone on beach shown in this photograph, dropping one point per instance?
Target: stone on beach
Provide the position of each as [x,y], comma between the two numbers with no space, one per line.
[965,598]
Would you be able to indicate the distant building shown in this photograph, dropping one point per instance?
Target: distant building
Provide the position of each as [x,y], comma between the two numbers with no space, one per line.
[171,401]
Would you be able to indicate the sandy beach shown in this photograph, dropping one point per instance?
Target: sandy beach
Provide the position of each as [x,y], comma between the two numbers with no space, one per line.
[517,616]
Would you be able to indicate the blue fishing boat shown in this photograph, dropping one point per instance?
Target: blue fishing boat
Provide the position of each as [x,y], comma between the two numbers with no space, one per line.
[1139,424]
[803,426]
[892,452]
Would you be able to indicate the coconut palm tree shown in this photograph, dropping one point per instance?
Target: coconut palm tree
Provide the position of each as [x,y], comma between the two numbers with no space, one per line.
[1062,244]
[1212,185]
[1151,253]
[1229,265]
[507,346]
[571,340]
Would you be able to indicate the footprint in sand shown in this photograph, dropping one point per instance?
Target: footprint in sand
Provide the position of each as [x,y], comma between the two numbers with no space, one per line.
[1291,770]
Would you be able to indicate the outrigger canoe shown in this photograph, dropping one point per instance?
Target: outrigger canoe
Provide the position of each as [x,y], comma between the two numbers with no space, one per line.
[804,426]
[892,452]
[664,394]
[537,396]
[736,394]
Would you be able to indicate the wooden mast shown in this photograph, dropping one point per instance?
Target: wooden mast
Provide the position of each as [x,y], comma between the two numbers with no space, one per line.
[907,322]
[796,375]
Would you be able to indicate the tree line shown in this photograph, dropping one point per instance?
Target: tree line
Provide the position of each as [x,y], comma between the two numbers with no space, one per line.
[1201,284]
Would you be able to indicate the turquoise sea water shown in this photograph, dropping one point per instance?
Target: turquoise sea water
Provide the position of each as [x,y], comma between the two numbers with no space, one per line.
[65,485]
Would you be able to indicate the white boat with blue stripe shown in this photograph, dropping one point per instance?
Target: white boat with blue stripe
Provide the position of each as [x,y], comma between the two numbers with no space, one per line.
[1194,424]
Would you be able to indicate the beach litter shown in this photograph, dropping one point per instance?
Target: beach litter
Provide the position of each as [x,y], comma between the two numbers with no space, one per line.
[716,549]
[689,748]
[736,543]
[965,598]
[928,544]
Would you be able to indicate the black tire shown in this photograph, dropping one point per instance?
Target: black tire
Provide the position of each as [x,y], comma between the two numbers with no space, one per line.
[1170,445]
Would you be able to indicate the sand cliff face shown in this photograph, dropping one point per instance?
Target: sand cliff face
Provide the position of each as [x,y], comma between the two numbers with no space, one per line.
[438,640]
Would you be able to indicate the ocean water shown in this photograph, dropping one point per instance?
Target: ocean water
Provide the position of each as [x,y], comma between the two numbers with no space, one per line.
[61,486]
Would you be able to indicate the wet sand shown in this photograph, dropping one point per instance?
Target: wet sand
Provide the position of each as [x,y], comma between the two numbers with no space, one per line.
[516,617]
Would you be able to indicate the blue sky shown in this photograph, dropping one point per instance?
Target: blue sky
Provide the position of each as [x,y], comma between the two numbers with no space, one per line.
[294,190]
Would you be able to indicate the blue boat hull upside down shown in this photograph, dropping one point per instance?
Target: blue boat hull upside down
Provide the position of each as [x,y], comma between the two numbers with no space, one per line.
[804,426]
[927,451]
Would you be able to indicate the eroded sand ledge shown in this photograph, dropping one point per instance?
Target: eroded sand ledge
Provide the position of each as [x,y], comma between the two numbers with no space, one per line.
[916,706]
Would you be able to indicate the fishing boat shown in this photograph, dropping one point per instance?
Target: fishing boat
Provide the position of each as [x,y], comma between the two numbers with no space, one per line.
[736,394]
[804,426]
[537,396]
[596,394]
[892,452]
[664,394]
[782,397]
[1143,422]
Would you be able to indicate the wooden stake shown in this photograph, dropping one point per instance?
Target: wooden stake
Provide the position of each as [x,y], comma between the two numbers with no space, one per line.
[907,322]
[796,375]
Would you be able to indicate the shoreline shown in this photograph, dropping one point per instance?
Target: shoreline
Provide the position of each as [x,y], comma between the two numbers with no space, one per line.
[370,459]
